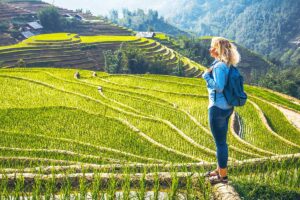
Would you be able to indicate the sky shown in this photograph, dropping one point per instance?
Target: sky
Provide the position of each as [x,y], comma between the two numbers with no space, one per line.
[102,7]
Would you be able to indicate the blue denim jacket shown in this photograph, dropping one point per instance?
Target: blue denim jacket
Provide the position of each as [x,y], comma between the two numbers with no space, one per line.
[215,83]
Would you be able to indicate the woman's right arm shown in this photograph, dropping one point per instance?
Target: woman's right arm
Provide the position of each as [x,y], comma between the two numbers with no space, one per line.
[217,82]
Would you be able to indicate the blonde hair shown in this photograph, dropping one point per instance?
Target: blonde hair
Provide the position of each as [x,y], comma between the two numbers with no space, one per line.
[226,50]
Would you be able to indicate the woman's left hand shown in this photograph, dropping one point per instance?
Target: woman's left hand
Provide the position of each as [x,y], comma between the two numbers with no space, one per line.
[208,70]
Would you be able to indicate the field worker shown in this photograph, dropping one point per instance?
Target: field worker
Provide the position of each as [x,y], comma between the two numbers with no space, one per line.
[219,111]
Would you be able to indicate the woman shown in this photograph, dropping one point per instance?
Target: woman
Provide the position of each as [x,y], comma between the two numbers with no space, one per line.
[219,111]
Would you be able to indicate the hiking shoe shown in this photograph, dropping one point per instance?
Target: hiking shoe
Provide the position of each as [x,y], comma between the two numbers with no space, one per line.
[209,173]
[218,179]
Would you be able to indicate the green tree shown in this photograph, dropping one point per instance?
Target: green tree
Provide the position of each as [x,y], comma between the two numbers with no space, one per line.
[179,70]
[110,61]
[150,29]
[114,16]
[51,19]
[4,25]
[137,63]
[157,66]
[282,80]
[121,61]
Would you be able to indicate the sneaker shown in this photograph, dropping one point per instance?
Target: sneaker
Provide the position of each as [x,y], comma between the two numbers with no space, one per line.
[211,173]
[218,179]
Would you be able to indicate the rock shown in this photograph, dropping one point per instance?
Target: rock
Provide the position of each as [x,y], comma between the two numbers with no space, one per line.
[77,75]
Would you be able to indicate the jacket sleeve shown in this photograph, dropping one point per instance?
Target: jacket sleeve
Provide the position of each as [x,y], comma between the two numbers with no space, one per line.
[218,78]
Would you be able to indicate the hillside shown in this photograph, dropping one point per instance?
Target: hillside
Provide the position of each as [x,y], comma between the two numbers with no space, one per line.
[92,26]
[140,21]
[78,51]
[252,65]
[86,52]
[269,27]
[16,14]
[107,130]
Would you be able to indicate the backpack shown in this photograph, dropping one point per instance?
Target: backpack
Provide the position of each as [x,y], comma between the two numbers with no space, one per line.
[234,88]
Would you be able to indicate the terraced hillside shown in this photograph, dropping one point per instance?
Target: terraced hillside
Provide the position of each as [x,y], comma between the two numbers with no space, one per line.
[6,39]
[91,25]
[34,6]
[8,11]
[16,13]
[85,52]
[137,135]
[252,65]
[100,28]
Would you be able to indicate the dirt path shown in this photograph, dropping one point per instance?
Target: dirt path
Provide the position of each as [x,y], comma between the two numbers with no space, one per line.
[292,116]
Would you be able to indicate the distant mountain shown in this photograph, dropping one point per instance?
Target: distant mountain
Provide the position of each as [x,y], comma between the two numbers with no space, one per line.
[269,27]
[140,21]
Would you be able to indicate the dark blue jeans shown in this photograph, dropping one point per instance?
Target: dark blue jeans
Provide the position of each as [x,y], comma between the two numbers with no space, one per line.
[218,121]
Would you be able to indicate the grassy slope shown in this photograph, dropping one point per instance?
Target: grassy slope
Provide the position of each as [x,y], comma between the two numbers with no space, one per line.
[50,118]
[148,102]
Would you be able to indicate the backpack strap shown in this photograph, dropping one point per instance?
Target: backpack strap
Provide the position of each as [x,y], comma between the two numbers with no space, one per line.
[214,62]
[215,96]
[230,68]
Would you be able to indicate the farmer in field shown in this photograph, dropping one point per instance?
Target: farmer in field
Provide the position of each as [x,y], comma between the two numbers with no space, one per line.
[219,110]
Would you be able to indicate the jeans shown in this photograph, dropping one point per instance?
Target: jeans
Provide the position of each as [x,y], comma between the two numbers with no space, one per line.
[218,121]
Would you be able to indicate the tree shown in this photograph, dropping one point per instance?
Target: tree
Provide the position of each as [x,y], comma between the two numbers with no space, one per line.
[122,60]
[110,61]
[150,29]
[88,12]
[51,19]
[137,63]
[79,10]
[116,62]
[179,71]
[114,15]
[152,15]
[285,81]
[158,66]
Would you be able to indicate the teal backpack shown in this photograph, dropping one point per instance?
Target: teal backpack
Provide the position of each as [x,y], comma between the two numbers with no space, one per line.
[234,88]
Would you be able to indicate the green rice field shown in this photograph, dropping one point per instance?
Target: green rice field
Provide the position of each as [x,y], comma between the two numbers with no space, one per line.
[86,52]
[120,136]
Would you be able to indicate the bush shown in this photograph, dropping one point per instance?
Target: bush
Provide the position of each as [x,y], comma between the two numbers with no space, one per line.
[21,63]
[15,33]
[88,47]
[282,80]
[4,26]
[69,23]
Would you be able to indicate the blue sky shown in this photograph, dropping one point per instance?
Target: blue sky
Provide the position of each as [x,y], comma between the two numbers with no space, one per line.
[103,7]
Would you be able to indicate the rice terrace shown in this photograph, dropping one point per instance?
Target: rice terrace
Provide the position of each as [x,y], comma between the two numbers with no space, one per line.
[75,126]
